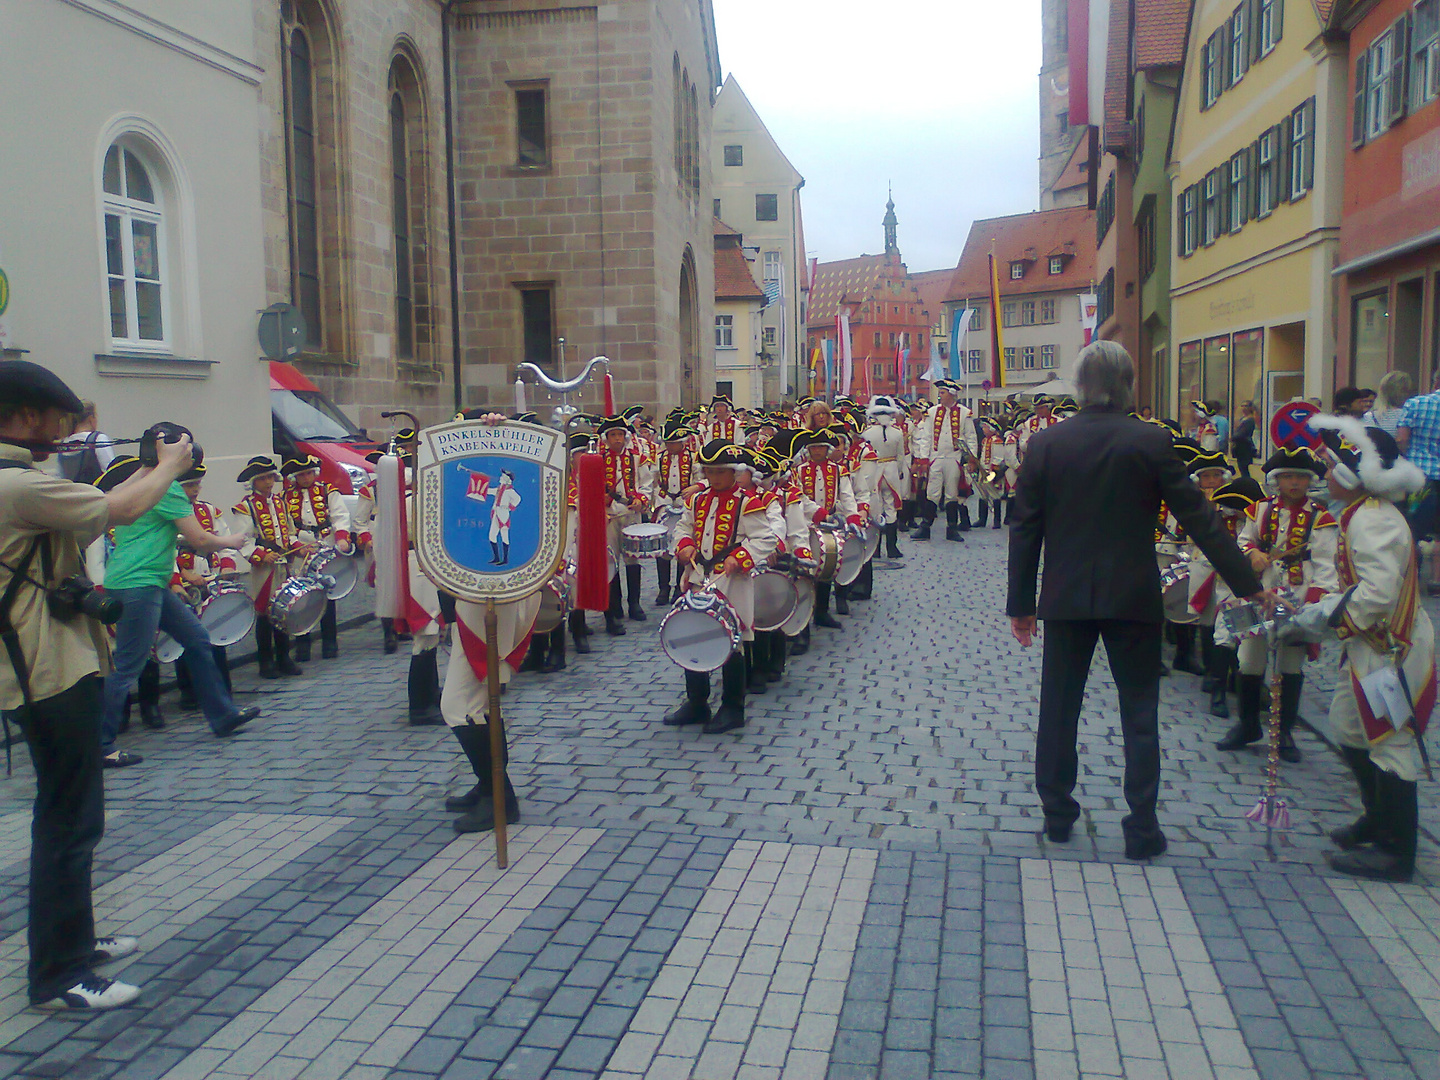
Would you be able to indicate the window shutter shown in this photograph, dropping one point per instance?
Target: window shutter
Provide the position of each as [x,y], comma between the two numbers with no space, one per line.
[1222,49]
[1222,198]
[1184,245]
[1282,161]
[1398,69]
[1244,26]
[1309,144]
[1277,19]
[1252,171]
[1247,186]
[1252,20]
[1362,74]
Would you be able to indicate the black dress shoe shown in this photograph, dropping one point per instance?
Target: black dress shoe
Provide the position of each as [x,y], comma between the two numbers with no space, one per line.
[757,683]
[687,712]
[582,644]
[289,667]
[1238,737]
[1140,848]
[302,649]
[329,650]
[613,626]
[481,816]
[662,599]
[826,620]
[636,613]
[235,721]
[456,804]
[554,661]
[1058,832]
[1369,863]
[1288,750]
[799,645]
[726,718]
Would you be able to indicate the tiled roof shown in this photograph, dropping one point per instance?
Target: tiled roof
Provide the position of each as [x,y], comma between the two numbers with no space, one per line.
[1160,33]
[934,286]
[721,229]
[1117,69]
[852,279]
[1023,237]
[1324,9]
[733,279]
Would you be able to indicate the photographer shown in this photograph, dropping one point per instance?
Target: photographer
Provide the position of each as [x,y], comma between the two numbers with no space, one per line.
[50,680]
[139,574]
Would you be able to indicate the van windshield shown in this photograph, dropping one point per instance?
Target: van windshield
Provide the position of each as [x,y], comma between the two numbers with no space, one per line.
[309,416]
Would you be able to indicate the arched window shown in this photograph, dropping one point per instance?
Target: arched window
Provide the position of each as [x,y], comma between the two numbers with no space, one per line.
[678,105]
[137,286]
[309,73]
[694,144]
[409,212]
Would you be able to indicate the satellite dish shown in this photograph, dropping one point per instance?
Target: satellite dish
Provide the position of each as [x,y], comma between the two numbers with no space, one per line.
[282,332]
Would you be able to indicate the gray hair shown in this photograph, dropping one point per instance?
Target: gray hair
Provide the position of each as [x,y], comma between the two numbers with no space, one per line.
[1105,376]
[1396,388]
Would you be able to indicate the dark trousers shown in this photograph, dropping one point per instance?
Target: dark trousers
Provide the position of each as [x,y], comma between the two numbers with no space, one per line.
[1134,652]
[63,733]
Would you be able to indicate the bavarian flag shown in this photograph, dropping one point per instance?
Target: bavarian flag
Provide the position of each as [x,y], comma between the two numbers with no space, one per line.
[997,336]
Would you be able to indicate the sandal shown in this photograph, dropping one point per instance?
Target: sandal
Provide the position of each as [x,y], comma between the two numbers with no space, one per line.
[121,758]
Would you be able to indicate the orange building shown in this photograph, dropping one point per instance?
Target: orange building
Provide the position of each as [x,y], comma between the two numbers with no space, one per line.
[887,317]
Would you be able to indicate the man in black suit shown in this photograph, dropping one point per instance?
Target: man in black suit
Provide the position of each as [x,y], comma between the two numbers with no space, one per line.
[1089,492]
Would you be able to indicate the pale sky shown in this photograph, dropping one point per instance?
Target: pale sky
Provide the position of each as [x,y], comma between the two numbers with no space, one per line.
[936,96]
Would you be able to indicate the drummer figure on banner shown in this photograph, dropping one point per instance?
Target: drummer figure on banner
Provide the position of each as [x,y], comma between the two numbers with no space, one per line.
[506,499]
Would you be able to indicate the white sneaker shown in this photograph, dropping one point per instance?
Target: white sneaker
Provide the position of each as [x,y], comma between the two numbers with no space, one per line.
[92,992]
[110,949]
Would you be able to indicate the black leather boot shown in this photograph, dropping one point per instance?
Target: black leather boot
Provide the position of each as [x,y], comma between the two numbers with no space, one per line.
[1185,649]
[863,587]
[695,709]
[1365,827]
[1247,729]
[535,655]
[616,611]
[302,647]
[822,607]
[907,514]
[1009,509]
[800,644]
[283,664]
[779,645]
[842,599]
[469,736]
[925,512]
[387,630]
[892,541]
[922,532]
[424,689]
[1219,671]
[984,514]
[757,661]
[555,651]
[632,590]
[265,648]
[1207,658]
[329,632]
[481,816]
[964,516]
[1290,688]
[952,521]
[579,632]
[731,714]
[147,693]
[1397,816]
[662,573]
[997,523]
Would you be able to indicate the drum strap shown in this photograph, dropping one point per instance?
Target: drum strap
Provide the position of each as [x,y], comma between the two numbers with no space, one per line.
[719,559]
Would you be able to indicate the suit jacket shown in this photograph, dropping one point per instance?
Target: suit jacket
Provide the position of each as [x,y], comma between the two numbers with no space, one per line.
[1089,493]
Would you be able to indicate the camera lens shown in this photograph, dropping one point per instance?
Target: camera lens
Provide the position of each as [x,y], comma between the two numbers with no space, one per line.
[103,608]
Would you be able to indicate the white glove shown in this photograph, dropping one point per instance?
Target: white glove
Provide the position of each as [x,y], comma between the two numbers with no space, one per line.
[1315,622]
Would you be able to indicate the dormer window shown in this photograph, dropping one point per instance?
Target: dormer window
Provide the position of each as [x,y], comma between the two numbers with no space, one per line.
[1057,264]
[1017,271]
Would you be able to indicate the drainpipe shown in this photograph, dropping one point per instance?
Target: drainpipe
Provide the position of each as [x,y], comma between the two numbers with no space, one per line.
[454,229]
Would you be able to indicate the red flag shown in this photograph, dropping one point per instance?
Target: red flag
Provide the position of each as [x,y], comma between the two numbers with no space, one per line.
[479,487]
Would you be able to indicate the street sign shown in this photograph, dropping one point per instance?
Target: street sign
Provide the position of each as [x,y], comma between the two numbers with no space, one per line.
[490,508]
[1289,427]
[282,331]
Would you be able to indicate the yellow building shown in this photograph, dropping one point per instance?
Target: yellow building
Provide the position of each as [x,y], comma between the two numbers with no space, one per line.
[740,360]
[1255,164]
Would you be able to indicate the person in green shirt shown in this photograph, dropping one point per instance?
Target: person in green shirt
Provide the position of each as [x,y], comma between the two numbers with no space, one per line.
[139,574]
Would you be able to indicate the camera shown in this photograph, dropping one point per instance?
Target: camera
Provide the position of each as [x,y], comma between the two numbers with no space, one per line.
[77,595]
[167,432]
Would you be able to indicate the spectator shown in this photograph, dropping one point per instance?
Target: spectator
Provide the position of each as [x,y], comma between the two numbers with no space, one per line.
[139,574]
[1147,413]
[84,465]
[1353,401]
[1221,422]
[1396,388]
[1242,442]
[1418,436]
[50,678]
[1088,496]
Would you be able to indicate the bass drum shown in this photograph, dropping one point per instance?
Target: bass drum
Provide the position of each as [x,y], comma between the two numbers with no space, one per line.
[298,606]
[701,631]
[855,552]
[345,569]
[167,649]
[775,598]
[826,546]
[228,613]
[804,608]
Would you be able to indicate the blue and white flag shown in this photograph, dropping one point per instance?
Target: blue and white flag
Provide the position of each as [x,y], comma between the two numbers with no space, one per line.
[959,328]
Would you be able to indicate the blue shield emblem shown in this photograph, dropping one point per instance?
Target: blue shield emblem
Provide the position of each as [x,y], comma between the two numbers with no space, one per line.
[490,508]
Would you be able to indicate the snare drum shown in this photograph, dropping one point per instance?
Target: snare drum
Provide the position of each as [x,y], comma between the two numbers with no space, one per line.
[775,599]
[1243,620]
[297,606]
[645,541]
[855,552]
[227,613]
[701,631]
[826,547]
[554,604]
[167,649]
[804,608]
[335,563]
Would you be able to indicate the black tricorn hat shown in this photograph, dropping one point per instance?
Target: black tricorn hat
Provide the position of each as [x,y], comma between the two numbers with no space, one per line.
[612,423]
[258,465]
[785,442]
[1299,459]
[718,452]
[120,470]
[195,472]
[300,464]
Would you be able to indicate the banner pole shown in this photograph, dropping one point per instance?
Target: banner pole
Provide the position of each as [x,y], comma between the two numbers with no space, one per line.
[497,732]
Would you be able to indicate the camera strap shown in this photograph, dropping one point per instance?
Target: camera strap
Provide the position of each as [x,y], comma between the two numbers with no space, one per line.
[18,576]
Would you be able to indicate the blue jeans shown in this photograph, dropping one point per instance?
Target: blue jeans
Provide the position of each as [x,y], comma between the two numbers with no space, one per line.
[148,610]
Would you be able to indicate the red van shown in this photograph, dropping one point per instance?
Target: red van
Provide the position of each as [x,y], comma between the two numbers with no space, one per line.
[305,421]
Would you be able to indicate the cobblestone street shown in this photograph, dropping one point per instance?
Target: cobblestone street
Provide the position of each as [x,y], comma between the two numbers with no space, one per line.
[854,887]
